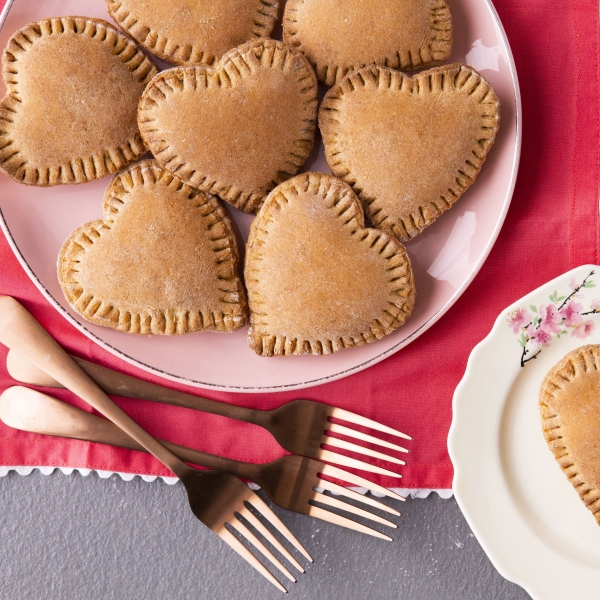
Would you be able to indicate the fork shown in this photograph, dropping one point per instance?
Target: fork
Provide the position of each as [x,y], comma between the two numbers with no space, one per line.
[215,498]
[293,482]
[300,426]
[289,481]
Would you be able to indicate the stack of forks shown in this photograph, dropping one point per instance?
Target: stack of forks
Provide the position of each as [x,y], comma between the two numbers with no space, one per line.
[218,498]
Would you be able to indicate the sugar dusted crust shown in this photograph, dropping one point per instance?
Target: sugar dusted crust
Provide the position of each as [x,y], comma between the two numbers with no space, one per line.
[208,30]
[164,259]
[570,411]
[264,96]
[76,137]
[395,177]
[342,37]
[327,283]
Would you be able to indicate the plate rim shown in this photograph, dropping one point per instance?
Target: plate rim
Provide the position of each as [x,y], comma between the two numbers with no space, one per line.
[464,472]
[345,372]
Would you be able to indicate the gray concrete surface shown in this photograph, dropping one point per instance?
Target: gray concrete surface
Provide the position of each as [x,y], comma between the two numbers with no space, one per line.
[69,537]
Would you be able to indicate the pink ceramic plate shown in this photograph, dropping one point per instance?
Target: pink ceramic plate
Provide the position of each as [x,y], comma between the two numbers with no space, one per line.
[445,258]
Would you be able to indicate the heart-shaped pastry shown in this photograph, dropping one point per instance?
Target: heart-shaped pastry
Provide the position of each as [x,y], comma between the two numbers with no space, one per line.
[409,147]
[317,280]
[69,116]
[238,129]
[346,35]
[569,404]
[164,259]
[188,32]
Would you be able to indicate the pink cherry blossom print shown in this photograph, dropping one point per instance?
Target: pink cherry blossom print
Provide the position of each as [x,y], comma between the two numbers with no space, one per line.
[550,318]
[536,328]
[540,337]
[583,329]
[571,313]
[518,318]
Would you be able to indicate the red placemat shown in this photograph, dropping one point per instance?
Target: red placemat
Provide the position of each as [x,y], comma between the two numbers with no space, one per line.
[552,226]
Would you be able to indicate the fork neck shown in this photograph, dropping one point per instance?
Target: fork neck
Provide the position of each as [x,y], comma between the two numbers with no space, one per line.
[249,471]
[261,418]
[120,384]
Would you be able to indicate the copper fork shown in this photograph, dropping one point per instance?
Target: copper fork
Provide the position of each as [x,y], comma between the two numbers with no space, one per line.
[293,482]
[215,498]
[301,426]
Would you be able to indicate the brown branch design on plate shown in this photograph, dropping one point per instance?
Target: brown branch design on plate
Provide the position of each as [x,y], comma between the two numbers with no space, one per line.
[563,315]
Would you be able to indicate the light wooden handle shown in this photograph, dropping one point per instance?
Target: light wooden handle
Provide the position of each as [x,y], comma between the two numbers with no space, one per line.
[20,332]
[28,410]
[119,384]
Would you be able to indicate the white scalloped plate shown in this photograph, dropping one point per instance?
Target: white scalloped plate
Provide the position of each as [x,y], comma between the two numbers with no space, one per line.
[523,510]
[446,257]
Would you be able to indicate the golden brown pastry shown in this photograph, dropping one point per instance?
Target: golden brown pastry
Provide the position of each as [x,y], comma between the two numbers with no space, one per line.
[69,115]
[317,280]
[570,410]
[409,147]
[344,36]
[238,129]
[189,32]
[164,260]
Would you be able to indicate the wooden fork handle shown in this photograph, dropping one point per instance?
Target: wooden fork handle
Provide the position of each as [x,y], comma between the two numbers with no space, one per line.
[120,384]
[28,410]
[20,332]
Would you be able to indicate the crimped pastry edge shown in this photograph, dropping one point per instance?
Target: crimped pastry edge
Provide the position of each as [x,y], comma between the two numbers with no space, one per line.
[408,225]
[433,51]
[79,169]
[266,16]
[161,321]
[268,344]
[176,79]
[551,423]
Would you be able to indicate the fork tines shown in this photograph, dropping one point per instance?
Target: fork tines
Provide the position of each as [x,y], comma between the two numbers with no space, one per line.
[346,415]
[340,459]
[353,463]
[236,545]
[262,507]
[325,485]
[225,533]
